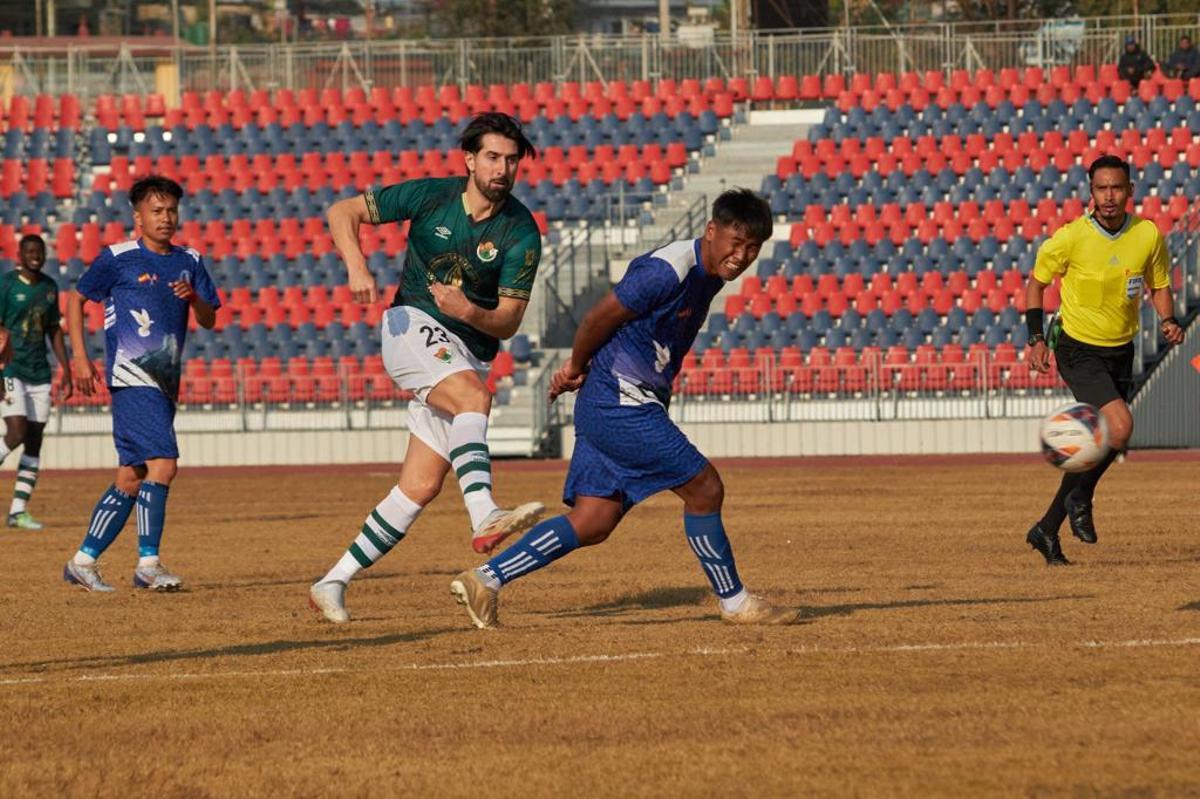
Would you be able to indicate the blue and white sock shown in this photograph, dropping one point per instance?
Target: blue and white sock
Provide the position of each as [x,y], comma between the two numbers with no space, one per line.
[545,543]
[108,519]
[706,536]
[151,515]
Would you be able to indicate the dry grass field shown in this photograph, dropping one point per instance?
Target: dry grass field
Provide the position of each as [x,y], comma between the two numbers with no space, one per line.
[939,657]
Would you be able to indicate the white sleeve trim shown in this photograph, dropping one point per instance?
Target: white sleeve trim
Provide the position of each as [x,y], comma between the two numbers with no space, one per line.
[679,255]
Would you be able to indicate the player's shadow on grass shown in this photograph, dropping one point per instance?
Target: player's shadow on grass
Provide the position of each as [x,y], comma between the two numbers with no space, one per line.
[225,586]
[809,612]
[1190,606]
[236,650]
[654,599]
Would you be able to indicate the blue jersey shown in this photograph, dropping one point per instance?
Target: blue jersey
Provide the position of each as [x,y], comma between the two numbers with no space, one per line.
[145,324]
[670,292]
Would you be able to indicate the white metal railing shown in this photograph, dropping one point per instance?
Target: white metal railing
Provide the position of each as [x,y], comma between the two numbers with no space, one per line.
[91,69]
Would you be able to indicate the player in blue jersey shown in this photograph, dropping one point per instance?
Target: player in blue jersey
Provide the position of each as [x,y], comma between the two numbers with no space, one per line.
[148,287]
[626,354]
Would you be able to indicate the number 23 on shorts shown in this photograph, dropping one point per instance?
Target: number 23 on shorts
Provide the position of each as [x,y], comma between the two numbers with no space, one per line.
[433,336]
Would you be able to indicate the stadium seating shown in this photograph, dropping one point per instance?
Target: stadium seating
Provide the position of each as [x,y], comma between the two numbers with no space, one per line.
[913,213]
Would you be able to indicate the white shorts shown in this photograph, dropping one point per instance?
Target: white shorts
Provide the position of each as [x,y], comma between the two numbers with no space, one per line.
[31,400]
[418,353]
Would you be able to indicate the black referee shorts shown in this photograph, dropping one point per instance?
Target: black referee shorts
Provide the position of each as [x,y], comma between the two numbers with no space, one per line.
[1095,375]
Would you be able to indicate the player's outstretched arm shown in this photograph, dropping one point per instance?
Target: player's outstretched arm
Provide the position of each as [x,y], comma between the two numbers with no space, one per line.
[344,218]
[601,322]
[83,372]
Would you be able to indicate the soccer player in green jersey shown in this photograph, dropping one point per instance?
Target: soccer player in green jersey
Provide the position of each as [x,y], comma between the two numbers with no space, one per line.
[473,253]
[28,315]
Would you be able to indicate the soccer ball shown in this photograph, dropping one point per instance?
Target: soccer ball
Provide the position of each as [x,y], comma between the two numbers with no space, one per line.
[1074,437]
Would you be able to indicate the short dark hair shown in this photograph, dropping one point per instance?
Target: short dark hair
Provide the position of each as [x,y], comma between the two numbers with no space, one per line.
[1108,162]
[495,122]
[744,209]
[154,184]
[28,237]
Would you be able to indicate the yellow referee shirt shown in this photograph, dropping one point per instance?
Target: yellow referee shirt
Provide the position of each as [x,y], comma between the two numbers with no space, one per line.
[1103,276]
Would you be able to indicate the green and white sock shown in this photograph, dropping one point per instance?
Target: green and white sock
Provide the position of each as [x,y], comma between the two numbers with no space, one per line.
[472,463]
[382,530]
[27,475]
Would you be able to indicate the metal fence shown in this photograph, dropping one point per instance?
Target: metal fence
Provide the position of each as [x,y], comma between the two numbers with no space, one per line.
[88,70]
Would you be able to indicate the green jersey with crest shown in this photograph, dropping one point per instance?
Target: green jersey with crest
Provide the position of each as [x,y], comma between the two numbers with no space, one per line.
[29,312]
[495,258]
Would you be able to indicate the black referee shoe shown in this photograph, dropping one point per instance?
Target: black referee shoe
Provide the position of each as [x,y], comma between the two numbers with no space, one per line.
[1047,544]
[1079,514]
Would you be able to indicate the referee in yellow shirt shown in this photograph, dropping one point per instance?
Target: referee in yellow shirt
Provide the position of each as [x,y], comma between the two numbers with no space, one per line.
[1106,258]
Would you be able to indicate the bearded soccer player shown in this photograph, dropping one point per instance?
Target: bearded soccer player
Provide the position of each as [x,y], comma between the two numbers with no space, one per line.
[473,253]
[1106,259]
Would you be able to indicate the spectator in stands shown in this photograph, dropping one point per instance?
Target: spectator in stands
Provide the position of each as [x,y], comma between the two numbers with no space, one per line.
[1106,259]
[1135,64]
[626,354]
[1184,63]
[473,254]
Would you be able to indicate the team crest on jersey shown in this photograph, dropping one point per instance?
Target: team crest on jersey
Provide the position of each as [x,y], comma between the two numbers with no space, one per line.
[486,252]
[144,321]
[443,355]
[442,232]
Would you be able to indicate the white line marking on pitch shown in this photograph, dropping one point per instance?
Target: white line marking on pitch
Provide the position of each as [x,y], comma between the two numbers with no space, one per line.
[618,658]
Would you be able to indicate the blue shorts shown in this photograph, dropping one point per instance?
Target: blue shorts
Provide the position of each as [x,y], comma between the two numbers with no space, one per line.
[143,425]
[632,452]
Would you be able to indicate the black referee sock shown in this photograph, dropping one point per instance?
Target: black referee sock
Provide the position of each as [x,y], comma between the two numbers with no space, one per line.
[1089,479]
[1056,512]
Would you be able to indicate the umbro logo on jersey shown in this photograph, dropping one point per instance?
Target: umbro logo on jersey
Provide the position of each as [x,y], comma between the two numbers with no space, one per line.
[21,297]
[442,232]
[1113,261]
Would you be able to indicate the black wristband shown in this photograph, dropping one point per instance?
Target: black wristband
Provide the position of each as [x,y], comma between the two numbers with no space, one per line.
[1170,319]
[1035,321]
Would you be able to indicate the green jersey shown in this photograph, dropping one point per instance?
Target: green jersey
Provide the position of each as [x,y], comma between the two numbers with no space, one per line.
[29,312]
[495,258]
